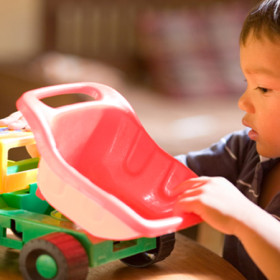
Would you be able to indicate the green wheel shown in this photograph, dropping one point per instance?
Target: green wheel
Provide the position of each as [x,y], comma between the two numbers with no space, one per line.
[56,256]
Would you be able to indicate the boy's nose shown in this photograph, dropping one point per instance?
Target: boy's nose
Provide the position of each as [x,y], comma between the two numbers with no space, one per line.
[245,104]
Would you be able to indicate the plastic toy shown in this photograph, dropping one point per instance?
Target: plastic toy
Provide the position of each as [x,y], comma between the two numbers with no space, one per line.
[97,156]
[52,246]
[10,178]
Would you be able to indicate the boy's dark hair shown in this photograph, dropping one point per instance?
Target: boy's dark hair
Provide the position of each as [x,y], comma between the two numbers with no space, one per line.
[264,18]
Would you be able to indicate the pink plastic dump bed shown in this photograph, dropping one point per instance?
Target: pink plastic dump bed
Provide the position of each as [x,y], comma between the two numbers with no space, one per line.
[100,168]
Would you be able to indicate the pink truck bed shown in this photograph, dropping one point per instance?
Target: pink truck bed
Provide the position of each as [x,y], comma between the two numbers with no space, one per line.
[99,166]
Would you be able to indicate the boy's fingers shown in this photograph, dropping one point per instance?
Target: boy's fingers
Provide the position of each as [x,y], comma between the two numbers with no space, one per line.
[186,185]
[11,118]
[15,121]
[19,124]
[185,205]
[27,127]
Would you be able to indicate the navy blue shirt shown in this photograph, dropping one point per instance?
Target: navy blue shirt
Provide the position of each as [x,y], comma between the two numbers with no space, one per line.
[235,158]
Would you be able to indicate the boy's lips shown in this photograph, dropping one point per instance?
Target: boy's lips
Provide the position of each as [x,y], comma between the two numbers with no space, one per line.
[253,134]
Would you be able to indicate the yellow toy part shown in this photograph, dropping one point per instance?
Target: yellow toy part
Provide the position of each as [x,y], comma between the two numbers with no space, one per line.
[16,175]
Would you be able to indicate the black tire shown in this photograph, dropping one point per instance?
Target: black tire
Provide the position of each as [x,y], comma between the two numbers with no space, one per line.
[63,257]
[165,245]
[18,234]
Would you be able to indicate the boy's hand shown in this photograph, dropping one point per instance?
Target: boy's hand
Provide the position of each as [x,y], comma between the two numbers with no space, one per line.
[15,121]
[223,207]
[216,201]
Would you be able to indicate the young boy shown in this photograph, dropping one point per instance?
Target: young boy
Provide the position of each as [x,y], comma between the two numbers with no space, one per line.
[241,196]
[244,200]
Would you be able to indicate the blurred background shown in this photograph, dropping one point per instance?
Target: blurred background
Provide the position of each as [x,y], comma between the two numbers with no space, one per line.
[176,61]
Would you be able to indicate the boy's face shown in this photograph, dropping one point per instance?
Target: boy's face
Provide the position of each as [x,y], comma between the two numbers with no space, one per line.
[260,63]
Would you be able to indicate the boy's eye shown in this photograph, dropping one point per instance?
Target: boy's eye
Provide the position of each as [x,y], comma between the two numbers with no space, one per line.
[264,90]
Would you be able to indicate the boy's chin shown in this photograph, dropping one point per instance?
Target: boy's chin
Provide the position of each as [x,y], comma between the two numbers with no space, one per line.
[267,153]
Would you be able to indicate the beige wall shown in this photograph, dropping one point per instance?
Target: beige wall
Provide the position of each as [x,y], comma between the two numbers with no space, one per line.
[20,29]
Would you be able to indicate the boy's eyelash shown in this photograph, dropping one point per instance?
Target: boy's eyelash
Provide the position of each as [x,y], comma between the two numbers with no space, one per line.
[264,90]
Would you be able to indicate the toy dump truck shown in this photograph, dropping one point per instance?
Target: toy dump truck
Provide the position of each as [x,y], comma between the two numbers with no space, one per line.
[101,170]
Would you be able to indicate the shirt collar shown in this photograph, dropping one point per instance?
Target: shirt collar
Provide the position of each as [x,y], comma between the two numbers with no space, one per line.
[264,159]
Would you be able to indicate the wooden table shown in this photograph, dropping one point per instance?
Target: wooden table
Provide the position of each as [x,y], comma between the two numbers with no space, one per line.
[189,260]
